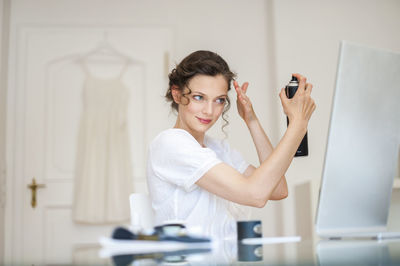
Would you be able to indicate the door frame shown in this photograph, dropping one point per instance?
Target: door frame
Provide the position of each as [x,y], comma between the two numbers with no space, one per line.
[4,40]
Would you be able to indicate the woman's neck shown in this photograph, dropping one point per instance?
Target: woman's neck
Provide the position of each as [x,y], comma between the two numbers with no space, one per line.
[198,136]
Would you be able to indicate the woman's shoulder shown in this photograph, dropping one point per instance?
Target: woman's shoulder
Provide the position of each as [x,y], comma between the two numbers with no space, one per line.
[217,144]
[171,137]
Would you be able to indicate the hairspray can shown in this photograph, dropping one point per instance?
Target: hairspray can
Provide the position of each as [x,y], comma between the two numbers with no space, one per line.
[291,89]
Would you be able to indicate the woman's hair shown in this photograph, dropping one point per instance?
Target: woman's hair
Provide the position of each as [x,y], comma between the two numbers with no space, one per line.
[198,63]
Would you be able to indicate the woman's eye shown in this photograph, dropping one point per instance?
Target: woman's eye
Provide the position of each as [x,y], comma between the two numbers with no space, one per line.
[221,100]
[198,97]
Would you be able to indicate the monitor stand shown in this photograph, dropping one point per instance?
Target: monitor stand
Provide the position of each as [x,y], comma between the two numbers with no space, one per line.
[370,235]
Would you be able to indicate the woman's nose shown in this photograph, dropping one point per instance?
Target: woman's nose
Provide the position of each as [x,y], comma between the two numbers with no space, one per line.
[208,107]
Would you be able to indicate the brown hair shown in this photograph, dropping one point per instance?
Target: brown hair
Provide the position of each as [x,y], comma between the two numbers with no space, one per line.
[198,63]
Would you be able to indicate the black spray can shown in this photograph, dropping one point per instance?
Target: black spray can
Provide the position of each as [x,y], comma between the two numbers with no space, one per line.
[291,89]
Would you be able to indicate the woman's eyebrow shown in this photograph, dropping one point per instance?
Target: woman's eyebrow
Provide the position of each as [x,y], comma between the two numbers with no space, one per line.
[198,92]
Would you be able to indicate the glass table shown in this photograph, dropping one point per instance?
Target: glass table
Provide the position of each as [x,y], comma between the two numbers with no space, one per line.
[325,252]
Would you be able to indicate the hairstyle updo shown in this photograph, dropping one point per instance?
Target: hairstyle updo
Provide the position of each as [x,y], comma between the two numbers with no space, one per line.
[198,63]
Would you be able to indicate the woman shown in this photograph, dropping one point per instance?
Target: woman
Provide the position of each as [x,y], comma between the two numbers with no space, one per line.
[193,177]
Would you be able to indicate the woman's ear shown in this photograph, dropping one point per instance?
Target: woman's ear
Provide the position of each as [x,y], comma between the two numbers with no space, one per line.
[176,94]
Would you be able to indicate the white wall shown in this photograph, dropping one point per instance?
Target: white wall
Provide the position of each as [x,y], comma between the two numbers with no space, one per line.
[307,36]
[4,9]
[307,41]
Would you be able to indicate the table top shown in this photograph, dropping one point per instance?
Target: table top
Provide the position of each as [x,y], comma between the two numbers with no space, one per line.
[325,252]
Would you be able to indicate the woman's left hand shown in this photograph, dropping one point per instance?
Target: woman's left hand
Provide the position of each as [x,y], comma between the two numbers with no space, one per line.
[244,106]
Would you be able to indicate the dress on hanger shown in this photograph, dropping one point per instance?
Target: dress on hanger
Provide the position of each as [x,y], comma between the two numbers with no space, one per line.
[103,180]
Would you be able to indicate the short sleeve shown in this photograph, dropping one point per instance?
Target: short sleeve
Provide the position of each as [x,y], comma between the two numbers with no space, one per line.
[176,157]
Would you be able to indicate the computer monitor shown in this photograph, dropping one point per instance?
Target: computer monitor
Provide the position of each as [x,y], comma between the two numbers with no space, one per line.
[363,144]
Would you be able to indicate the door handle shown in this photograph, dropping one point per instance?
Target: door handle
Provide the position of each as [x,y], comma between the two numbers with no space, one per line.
[33,187]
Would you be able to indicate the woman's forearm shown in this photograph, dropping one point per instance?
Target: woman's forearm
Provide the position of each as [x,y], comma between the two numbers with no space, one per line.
[261,141]
[268,176]
[264,149]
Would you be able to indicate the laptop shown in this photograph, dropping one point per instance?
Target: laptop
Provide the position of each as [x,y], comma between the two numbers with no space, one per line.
[363,145]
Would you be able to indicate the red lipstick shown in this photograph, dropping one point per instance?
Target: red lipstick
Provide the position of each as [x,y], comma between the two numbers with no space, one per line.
[204,121]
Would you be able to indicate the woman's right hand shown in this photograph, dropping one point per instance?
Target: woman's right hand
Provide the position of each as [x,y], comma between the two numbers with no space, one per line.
[299,108]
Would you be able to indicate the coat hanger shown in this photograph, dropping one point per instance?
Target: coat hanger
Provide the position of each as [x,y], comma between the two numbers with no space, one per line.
[106,50]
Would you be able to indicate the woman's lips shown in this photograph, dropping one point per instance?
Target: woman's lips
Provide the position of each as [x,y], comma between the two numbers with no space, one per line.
[204,121]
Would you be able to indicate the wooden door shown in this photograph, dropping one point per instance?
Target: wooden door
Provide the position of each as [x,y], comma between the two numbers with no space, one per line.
[45,105]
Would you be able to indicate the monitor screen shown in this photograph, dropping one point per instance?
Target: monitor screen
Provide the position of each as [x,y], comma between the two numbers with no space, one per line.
[363,143]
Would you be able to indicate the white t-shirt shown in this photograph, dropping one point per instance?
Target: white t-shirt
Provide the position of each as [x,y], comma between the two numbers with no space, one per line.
[175,162]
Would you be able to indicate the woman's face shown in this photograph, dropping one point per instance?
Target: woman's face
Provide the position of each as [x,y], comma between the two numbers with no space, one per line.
[206,103]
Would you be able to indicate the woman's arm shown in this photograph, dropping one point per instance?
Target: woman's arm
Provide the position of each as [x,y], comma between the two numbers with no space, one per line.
[259,187]
[261,141]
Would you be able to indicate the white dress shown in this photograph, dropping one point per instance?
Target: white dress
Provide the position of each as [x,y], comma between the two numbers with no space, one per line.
[176,161]
[103,178]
